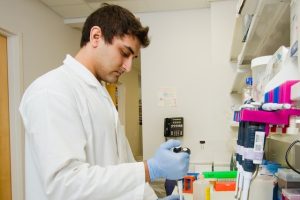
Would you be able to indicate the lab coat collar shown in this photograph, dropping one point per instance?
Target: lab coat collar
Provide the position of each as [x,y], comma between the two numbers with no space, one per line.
[83,73]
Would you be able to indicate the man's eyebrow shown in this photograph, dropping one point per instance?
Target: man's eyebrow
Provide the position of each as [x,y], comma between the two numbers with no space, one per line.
[130,49]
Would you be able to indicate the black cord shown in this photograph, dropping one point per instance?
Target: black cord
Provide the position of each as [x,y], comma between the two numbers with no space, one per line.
[287,154]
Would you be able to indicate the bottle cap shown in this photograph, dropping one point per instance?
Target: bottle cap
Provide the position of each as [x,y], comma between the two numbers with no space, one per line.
[249,80]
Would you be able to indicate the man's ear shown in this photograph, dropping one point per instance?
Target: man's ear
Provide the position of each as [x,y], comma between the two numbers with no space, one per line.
[95,36]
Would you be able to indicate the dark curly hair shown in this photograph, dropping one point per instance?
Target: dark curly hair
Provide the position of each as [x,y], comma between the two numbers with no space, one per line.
[114,21]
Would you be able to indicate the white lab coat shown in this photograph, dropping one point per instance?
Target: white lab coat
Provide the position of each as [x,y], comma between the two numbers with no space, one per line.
[75,147]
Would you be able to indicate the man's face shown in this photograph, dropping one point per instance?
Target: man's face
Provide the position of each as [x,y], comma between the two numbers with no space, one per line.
[116,58]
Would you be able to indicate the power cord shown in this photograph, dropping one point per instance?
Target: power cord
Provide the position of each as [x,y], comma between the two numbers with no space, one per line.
[287,154]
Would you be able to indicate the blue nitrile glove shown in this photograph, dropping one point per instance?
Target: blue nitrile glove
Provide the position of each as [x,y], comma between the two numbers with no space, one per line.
[172,197]
[167,164]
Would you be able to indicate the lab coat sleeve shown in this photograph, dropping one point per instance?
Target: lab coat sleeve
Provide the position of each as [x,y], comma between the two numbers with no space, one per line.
[57,139]
[127,156]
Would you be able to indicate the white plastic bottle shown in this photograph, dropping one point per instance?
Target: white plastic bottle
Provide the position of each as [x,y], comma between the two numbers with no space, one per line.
[199,189]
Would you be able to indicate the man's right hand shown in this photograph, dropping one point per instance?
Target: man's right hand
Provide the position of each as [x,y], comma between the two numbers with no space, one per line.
[167,164]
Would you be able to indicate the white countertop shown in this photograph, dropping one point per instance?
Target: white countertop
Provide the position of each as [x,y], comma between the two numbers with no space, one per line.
[214,195]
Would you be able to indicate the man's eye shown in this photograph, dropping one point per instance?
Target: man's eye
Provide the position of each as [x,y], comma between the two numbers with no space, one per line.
[125,54]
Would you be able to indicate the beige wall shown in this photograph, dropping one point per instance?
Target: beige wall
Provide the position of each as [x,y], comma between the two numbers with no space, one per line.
[189,52]
[45,38]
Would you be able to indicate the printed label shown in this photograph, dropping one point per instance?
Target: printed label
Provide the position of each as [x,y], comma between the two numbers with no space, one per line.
[259,141]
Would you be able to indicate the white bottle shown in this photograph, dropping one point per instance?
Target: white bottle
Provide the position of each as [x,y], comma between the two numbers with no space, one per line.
[199,187]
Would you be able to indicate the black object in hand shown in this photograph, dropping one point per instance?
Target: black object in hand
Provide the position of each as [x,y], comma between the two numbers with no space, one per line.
[181,149]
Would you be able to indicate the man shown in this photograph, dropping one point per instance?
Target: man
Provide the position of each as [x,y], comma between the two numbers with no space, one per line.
[75,147]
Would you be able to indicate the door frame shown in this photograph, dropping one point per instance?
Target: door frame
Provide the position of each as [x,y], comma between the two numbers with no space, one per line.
[15,91]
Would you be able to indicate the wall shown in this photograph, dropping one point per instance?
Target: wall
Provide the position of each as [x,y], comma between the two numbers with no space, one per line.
[222,26]
[43,40]
[189,51]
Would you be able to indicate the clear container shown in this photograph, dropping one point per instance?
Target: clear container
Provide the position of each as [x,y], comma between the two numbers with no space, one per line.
[288,175]
[258,68]
[200,189]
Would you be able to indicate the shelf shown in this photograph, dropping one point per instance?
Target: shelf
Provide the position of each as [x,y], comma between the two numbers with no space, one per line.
[269,29]
[234,124]
[244,8]
[239,80]
[237,45]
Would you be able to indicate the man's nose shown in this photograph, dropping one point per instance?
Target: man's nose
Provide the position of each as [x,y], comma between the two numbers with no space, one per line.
[127,64]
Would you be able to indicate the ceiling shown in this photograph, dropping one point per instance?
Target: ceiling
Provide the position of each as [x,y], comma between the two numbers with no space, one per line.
[74,12]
